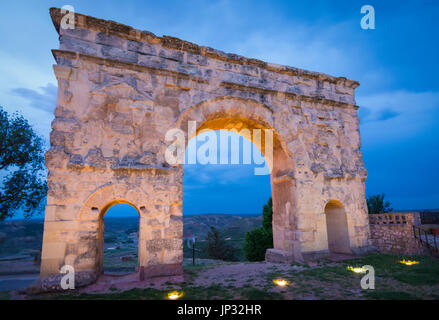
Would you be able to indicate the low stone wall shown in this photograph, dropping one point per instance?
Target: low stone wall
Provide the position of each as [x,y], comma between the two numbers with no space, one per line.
[393,232]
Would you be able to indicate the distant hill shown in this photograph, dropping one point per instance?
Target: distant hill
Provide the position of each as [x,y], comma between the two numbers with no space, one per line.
[231,225]
[20,236]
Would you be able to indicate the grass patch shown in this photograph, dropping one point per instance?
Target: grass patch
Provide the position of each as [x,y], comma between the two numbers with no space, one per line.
[189,293]
[390,295]
[257,294]
[274,275]
[214,291]
[326,274]
[5,296]
[424,273]
[133,294]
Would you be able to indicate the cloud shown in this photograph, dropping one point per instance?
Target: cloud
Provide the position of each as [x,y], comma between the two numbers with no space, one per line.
[387,114]
[45,99]
[217,174]
[396,115]
[366,115]
[307,46]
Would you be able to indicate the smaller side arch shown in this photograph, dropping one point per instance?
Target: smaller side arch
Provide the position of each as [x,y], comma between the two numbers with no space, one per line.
[337,227]
[104,210]
[101,235]
[333,204]
[97,204]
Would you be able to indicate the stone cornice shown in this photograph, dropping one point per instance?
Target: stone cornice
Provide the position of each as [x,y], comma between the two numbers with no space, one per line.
[289,95]
[136,67]
[122,64]
[127,32]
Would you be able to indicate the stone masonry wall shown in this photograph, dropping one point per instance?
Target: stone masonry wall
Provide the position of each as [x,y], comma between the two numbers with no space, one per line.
[393,233]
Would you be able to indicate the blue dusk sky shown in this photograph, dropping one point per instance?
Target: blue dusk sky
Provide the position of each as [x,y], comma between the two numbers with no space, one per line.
[396,64]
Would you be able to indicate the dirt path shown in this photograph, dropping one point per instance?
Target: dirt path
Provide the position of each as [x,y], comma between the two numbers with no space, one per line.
[236,274]
[240,274]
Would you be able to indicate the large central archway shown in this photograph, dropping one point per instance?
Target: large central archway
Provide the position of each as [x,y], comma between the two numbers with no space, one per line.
[225,188]
[255,122]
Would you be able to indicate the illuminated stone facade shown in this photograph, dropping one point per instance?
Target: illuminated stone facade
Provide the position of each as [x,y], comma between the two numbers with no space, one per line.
[120,90]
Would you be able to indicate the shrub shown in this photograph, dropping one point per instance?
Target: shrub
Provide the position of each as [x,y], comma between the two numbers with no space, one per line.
[376,204]
[258,240]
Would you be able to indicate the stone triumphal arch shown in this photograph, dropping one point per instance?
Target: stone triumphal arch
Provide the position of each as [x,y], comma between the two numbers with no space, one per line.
[120,90]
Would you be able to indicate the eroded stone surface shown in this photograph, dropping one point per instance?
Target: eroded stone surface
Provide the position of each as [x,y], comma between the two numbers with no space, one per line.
[120,90]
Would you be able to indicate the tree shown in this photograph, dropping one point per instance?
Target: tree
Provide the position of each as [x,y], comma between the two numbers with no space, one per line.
[267,216]
[218,248]
[22,158]
[376,204]
[2,238]
[258,240]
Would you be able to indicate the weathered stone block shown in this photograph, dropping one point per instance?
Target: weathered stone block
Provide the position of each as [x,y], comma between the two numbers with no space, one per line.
[141,47]
[109,40]
[279,256]
[51,284]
